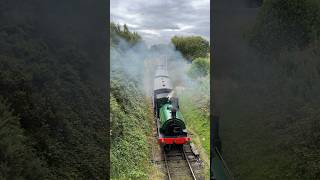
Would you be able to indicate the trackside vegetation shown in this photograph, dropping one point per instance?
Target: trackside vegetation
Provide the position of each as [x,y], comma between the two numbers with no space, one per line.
[130,128]
[195,107]
[195,96]
[129,112]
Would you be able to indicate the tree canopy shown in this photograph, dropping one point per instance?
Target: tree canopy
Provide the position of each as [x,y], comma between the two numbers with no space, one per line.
[191,47]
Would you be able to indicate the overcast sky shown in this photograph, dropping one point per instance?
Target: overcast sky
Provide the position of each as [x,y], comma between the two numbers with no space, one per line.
[158,20]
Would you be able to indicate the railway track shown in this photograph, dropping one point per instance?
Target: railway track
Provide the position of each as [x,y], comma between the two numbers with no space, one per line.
[180,163]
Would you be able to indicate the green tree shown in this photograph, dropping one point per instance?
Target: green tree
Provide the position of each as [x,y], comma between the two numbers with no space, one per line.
[191,47]
[117,33]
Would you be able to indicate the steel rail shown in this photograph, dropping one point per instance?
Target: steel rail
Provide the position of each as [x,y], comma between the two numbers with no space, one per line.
[167,167]
[190,168]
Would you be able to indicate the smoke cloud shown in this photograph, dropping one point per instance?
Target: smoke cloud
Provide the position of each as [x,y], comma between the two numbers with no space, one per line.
[139,61]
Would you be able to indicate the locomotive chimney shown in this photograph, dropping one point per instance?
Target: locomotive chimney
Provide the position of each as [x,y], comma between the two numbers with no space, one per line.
[173,113]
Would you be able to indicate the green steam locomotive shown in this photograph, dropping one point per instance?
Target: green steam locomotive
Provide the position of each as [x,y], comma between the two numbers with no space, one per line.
[171,127]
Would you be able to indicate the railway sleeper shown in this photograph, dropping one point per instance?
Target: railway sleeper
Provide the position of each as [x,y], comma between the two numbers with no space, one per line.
[175,159]
[178,154]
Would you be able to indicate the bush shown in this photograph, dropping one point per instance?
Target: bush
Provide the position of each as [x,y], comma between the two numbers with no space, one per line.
[130,127]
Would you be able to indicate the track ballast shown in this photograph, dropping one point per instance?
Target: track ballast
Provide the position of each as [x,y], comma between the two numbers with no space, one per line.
[182,163]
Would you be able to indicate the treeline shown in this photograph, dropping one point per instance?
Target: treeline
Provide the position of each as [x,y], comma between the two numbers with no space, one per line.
[118,34]
[52,91]
[271,103]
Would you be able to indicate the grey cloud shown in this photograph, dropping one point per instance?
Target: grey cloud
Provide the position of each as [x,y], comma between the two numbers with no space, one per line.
[158,20]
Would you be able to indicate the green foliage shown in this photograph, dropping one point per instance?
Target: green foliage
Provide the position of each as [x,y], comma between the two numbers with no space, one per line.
[286,25]
[197,117]
[200,67]
[129,130]
[130,115]
[195,107]
[191,47]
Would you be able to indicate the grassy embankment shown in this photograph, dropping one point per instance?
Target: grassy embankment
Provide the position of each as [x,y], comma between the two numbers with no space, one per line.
[131,128]
[130,124]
